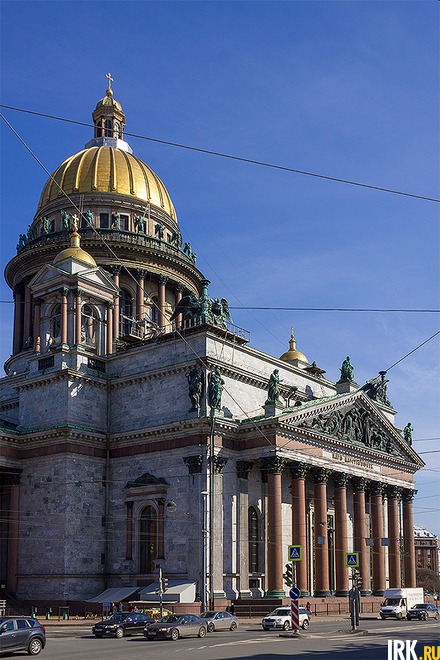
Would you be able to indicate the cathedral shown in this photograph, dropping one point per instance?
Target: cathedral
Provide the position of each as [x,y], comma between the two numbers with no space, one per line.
[141,430]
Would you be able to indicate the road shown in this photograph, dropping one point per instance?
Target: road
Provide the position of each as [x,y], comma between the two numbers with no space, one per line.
[324,640]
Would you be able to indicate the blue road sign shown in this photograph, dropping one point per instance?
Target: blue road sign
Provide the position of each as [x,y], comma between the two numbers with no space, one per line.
[352,559]
[295,552]
[294,593]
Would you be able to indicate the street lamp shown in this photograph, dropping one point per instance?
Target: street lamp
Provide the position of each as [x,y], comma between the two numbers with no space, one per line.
[204,495]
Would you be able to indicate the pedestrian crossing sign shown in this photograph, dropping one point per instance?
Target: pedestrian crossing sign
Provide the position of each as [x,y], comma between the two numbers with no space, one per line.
[295,553]
[352,559]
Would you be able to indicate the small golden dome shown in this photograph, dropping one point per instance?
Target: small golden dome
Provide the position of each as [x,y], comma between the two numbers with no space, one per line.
[74,252]
[292,354]
[106,169]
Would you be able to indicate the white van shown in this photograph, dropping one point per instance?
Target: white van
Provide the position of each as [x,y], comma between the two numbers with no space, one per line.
[398,601]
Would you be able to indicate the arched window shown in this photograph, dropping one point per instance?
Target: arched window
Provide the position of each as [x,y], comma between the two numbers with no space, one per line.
[56,321]
[126,312]
[147,539]
[253,539]
[89,326]
[108,128]
[154,310]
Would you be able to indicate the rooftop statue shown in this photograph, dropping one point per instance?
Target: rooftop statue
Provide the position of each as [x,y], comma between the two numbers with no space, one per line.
[66,219]
[407,433]
[203,310]
[347,371]
[158,231]
[215,389]
[195,385]
[273,389]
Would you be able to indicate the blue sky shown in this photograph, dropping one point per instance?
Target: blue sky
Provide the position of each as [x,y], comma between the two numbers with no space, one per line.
[345,89]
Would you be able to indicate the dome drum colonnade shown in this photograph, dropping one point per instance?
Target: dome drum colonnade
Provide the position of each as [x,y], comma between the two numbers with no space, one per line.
[274,468]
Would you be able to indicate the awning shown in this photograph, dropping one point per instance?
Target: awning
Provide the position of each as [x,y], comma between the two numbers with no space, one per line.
[177,592]
[113,595]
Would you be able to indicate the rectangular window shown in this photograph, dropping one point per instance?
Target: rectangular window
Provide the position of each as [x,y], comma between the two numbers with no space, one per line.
[103,220]
[124,222]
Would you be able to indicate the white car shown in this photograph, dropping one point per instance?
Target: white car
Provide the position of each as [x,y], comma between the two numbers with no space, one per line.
[281,617]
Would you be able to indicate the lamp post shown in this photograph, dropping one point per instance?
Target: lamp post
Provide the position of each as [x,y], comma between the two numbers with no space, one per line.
[204,495]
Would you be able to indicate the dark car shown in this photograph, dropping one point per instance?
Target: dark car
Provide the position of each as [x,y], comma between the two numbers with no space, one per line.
[422,611]
[21,634]
[175,626]
[221,620]
[121,624]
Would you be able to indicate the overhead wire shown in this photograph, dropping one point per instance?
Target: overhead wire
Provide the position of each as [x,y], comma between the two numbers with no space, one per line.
[242,159]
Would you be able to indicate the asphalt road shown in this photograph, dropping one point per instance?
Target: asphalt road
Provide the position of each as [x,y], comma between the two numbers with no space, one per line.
[324,640]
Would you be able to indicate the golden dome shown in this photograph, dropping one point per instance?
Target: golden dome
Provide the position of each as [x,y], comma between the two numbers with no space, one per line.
[74,252]
[107,169]
[292,354]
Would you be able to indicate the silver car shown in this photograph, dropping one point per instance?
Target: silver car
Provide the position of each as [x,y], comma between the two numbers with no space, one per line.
[175,626]
[281,617]
[220,620]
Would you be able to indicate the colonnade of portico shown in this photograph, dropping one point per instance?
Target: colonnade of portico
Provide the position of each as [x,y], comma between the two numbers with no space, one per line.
[370,545]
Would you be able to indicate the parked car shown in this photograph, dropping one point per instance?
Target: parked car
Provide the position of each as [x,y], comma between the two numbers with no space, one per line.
[175,626]
[21,634]
[281,617]
[220,620]
[422,611]
[121,624]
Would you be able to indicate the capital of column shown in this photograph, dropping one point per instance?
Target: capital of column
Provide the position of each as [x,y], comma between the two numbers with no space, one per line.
[340,480]
[273,464]
[408,494]
[110,304]
[141,272]
[78,292]
[376,488]
[64,291]
[194,463]
[298,470]
[359,484]
[180,288]
[115,270]
[393,492]
[218,463]
[243,469]
[321,475]
[163,279]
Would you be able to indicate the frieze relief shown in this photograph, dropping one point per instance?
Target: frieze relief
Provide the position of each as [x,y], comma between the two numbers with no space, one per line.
[356,426]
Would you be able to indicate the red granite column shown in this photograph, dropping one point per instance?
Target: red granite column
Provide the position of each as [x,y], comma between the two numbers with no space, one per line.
[64,324]
[27,320]
[360,533]
[274,467]
[109,335]
[340,496]
[161,300]
[18,321]
[298,472]
[129,532]
[322,582]
[377,533]
[408,538]
[394,561]
[140,292]
[37,322]
[116,270]
[179,292]
[13,534]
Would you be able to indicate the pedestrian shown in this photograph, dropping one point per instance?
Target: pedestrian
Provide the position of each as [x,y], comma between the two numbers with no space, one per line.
[309,607]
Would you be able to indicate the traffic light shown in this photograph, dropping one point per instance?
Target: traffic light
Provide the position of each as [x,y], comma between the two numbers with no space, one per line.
[288,575]
[164,584]
[357,579]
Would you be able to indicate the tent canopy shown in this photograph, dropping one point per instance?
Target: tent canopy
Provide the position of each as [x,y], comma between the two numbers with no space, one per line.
[113,595]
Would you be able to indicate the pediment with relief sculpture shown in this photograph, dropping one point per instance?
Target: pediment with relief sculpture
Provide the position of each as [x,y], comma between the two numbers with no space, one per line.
[353,420]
